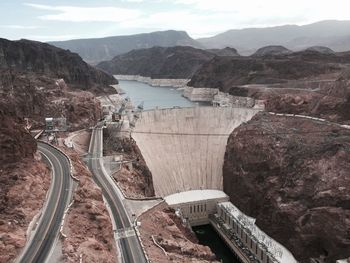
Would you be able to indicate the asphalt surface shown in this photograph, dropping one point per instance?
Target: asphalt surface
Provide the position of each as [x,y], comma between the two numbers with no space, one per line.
[48,227]
[130,246]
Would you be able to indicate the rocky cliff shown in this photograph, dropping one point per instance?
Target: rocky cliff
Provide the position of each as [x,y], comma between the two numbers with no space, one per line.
[33,96]
[158,62]
[32,88]
[331,101]
[43,59]
[271,51]
[100,49]
[292,175]
[226,73]
[24,181]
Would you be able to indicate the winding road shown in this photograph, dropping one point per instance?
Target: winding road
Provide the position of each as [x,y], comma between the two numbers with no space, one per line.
[131,251]
[40,244]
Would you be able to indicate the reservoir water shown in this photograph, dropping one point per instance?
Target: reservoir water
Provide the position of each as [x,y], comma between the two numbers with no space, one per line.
[152,97]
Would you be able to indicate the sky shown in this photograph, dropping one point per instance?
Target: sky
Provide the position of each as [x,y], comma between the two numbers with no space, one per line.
[61,20]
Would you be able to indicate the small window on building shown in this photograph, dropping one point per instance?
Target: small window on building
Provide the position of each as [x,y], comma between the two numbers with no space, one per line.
[190,209]
[205,207]
[197,208]
[256,249]
[251,243]
[194,209]
[201,208]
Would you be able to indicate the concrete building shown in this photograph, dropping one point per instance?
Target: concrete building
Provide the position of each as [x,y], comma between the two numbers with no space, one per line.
[245,238]
[196,206]
[184,148]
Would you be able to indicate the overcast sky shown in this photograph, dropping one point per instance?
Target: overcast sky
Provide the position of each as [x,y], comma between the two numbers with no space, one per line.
[63,19]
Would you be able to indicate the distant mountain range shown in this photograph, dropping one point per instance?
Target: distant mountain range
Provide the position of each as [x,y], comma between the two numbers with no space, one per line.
[99,49]
[333,34]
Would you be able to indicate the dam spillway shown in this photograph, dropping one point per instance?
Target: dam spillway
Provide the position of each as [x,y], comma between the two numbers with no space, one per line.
[184,148]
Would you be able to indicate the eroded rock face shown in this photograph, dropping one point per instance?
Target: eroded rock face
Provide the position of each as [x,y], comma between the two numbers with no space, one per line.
[135,179]
[35,97]
[271,51]
[331,102]
[88,225]
[44,59]
[292,175]
[226,73]
[24,181]
[161,225]
[158,62]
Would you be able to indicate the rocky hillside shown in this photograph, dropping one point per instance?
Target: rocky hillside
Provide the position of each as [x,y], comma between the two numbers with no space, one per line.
[331,101]
[24,181]
[225,52]
[292,175]
[269,51]
[158,62]
[333,34]
[35,57]
[35,97]
[225,73]
[33,85]
[100,49]
[321,49]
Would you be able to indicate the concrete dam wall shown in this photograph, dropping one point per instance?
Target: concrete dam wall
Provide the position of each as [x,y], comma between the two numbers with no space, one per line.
[184,148]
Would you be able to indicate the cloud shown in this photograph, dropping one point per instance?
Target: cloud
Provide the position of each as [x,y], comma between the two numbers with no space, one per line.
[133,1]
[86,14]
[263,10]
[20,27]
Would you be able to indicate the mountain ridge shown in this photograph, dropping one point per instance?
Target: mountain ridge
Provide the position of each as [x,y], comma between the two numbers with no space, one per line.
[94,50]
[334,34]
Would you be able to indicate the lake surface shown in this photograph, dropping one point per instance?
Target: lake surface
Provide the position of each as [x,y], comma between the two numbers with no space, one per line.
[152,97]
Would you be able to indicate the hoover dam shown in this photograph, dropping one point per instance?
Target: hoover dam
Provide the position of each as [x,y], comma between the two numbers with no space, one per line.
[184,148]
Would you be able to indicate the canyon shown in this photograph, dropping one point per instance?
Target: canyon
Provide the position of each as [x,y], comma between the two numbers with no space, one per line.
[281,167]
[38,81]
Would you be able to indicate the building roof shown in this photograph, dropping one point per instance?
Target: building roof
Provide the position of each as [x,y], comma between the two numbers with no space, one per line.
[194,196]
[281,253]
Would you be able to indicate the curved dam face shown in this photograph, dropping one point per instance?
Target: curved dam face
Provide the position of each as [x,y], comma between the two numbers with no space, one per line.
[184,148]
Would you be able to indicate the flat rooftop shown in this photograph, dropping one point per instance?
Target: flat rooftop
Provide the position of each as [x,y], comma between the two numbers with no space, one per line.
[281,253]
[194,196]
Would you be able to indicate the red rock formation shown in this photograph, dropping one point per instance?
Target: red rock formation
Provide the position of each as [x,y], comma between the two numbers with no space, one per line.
[331,102]
[136,179]
[88,225]
[179,242]
[24,181]
[43,59]
[292,175]
[36,97]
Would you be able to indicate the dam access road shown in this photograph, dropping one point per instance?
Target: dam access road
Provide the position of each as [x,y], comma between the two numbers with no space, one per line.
[127,241]
[40,244]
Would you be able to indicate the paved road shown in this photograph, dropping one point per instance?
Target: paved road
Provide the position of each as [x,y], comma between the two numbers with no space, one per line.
[130,246]
[48,227]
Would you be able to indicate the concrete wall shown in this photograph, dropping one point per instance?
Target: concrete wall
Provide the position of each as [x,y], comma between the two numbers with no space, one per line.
[184,148]
[197,213]
[177,83]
